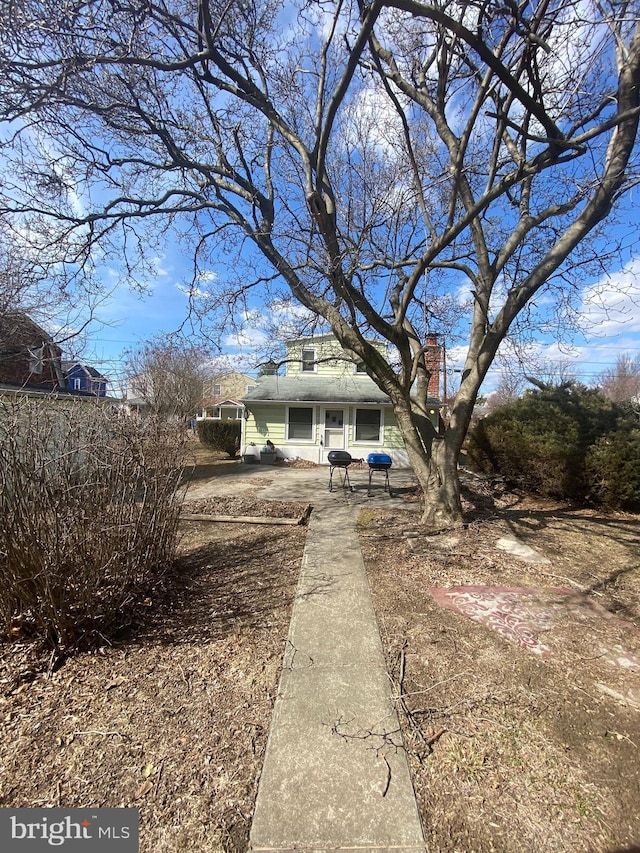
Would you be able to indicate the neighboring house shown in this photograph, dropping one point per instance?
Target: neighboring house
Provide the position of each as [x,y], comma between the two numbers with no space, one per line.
[29,358]
[222,398]
[136,397]
[81,377]
[324,402]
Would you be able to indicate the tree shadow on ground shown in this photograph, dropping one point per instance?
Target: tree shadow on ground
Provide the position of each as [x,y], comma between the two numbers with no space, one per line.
[211,470]
[247,581]
[610,569]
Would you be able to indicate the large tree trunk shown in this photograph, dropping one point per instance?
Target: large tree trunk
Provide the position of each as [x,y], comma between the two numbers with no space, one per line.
[434,460]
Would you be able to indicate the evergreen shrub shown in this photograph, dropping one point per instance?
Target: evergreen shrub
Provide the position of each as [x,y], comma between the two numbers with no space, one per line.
[540,442]
[220,435]
[613,466]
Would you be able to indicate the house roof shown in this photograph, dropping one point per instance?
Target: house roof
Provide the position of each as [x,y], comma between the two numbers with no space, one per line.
[31,390]
[328,336]
[220,402]
[15,324]
[216,377]
[69,365]
[318,389]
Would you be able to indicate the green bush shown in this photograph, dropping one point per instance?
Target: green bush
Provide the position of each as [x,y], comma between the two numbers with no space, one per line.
[540,443]
[613,465]
[220,435]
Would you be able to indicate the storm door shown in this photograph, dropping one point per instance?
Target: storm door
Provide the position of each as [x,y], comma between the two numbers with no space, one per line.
[334,429]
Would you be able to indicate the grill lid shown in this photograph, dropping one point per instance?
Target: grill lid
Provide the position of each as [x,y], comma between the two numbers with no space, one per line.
[381,461]
[339,457]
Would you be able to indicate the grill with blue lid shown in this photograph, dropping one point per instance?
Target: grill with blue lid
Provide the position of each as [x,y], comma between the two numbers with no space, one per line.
[379,462]
[341,459]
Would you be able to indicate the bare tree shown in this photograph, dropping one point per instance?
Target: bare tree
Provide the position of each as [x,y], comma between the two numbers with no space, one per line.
[167,376]
[621,383]
[380,158]
[557,372]
[508,389]
[62,305]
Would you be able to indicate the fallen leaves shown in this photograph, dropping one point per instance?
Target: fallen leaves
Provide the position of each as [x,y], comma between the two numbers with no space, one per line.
[143,789]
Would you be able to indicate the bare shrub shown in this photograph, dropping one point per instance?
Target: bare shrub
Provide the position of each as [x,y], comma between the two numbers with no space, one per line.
[89,506]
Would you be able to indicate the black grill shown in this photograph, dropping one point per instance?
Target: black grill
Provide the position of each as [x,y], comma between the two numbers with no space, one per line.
[340,459]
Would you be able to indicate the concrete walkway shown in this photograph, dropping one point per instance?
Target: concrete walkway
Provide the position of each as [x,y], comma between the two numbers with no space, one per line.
[335,775]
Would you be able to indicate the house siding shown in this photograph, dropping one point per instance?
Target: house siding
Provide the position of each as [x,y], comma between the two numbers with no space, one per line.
[81,378]
[269,421]
[331,359]
[232,387]
[268,406]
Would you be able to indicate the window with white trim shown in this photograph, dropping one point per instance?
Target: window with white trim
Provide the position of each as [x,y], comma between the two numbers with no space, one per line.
[368,425]
[77,384]
[360,367]
[36,359]
[300,423]
[217,390]
[250,388]
[308,360]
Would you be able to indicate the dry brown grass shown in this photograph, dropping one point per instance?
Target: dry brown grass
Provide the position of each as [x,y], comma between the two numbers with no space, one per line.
[172,717]
[509,752]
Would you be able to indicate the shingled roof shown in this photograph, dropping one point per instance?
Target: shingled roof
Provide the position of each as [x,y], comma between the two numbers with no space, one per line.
[316,389]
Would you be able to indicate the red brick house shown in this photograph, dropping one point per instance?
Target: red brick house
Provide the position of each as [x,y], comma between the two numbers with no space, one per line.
[29,357]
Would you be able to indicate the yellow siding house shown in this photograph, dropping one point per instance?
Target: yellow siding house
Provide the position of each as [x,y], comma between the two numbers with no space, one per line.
[323,402]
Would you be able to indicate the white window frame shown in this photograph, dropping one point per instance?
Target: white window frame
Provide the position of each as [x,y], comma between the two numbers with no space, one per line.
[217,393]
[236,409]
[360,368]
[357,409]
[36,359]
[311,440]
[250,388]
[77,384]
[314,364]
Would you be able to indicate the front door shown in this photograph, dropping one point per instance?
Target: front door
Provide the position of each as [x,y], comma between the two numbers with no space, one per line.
[334,429]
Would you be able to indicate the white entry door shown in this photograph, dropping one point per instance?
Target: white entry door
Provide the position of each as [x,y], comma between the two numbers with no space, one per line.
[334,429]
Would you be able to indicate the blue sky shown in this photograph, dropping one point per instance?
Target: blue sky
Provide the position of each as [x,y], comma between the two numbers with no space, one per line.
[610,309]
[609,306]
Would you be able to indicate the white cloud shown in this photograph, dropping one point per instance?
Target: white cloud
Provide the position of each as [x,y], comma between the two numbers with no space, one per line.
[372,120]
[249,339]
[192,292]
[611,306]
[157,264]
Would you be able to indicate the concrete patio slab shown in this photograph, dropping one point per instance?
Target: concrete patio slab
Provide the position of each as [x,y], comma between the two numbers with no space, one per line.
[521,551]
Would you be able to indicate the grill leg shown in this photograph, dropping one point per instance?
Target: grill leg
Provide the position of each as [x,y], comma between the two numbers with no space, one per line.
[387,484]
[346,482]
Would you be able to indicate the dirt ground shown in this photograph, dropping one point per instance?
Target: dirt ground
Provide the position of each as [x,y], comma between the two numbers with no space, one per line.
[171,717]
[508,752]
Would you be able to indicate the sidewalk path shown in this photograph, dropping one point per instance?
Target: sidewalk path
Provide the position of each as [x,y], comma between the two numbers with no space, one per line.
[335,776]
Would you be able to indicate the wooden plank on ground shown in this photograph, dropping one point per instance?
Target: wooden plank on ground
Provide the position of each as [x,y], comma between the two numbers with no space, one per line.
[243,519]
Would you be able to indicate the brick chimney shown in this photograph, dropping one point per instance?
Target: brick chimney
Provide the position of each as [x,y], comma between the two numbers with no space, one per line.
[432,360]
